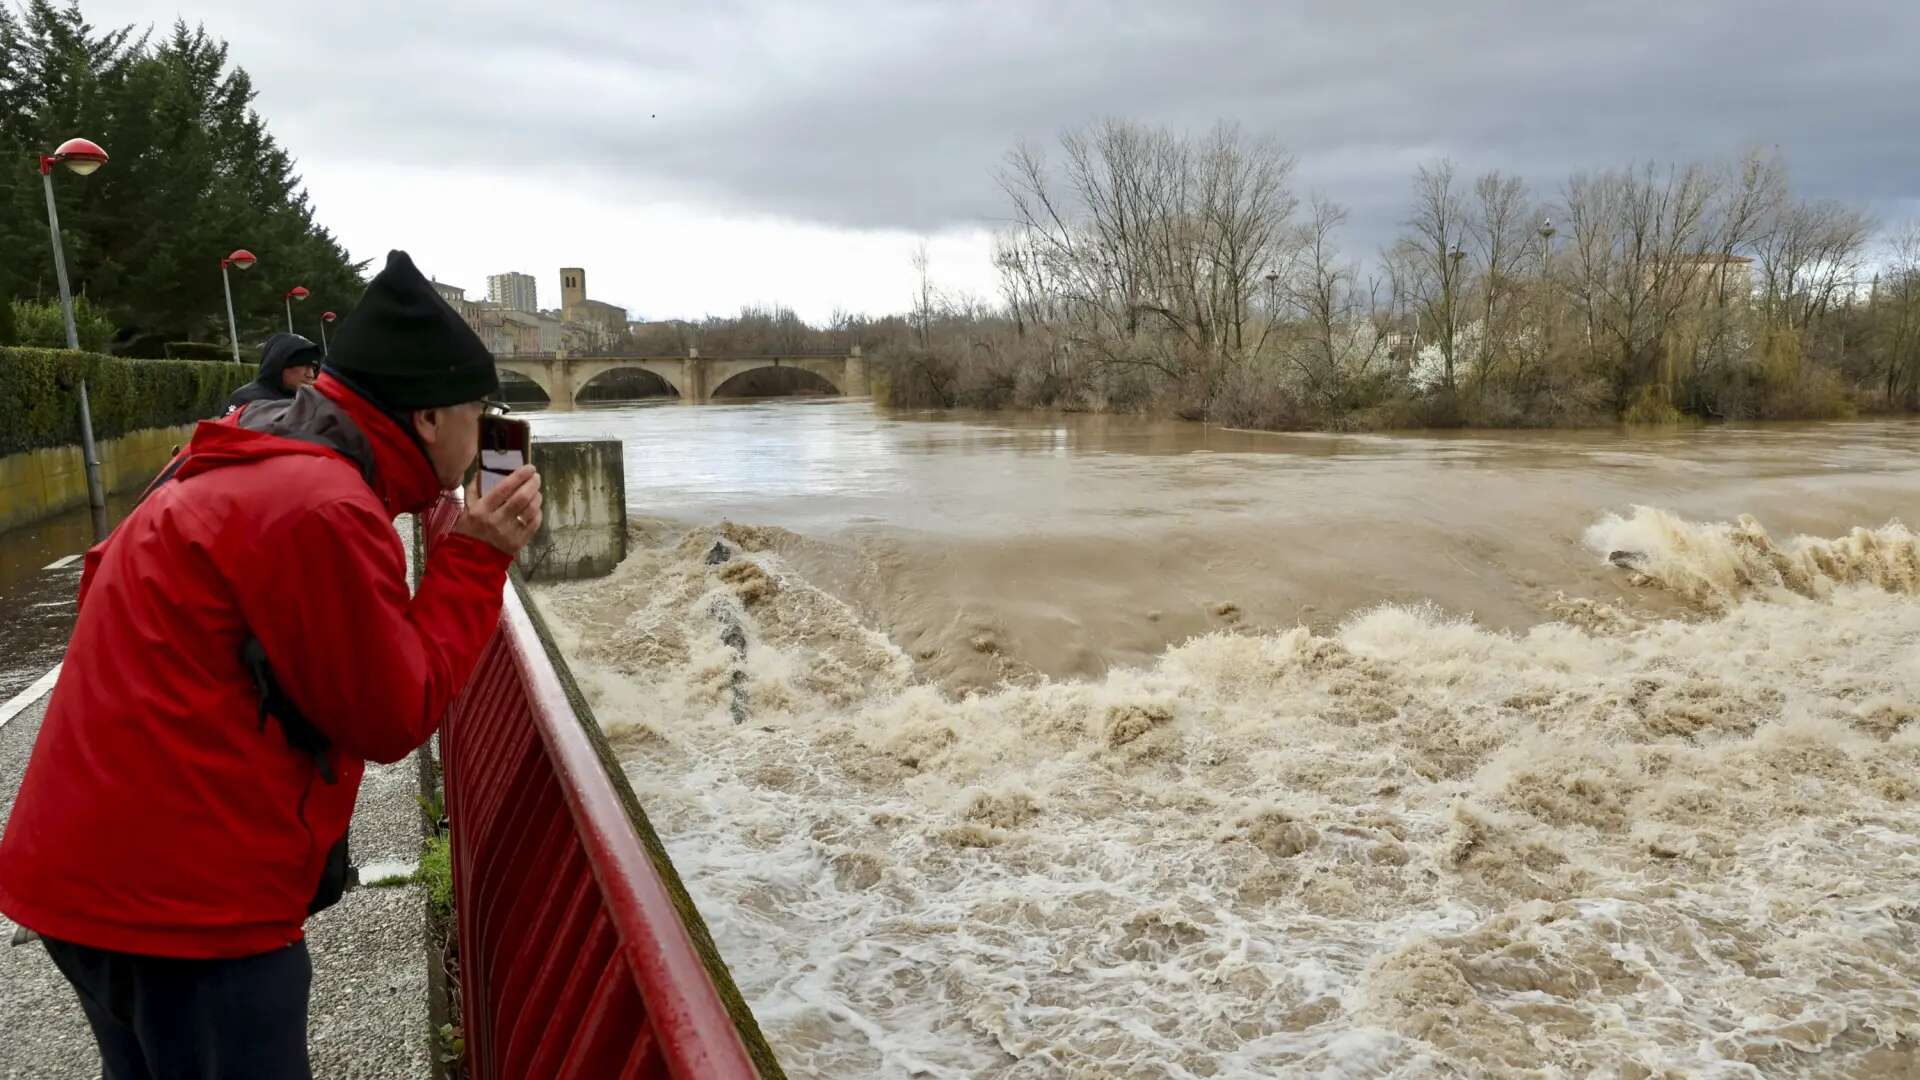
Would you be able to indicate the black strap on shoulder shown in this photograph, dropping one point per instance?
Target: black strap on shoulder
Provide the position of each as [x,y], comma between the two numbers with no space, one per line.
[166,474]
[299,731]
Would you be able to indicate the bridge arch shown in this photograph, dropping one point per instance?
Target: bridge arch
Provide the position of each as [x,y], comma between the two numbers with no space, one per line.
[694,379]
[521,390]
[534,372]
[747,378]
[652,378]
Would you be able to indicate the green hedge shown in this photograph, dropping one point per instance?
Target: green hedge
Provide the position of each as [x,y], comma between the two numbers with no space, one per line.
[38,406]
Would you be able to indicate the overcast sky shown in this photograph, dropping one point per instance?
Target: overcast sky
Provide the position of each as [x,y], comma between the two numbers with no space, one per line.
[698,157]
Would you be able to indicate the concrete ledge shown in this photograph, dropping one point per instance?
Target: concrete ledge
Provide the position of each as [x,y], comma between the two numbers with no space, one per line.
[36,484]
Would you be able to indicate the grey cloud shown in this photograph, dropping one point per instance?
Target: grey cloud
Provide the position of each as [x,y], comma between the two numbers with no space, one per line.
[895,114]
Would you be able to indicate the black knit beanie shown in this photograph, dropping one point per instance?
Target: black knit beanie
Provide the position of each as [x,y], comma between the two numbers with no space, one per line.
[407,348]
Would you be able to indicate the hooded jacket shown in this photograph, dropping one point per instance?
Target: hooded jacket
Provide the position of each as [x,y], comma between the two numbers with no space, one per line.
[279,353]
[159,814]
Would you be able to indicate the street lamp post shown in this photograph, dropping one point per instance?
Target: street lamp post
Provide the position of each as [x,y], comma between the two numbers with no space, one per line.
[1273,309]
[241,259]
[298,292]
[1453,305]
[83,157]
[1546,280]
[325,318]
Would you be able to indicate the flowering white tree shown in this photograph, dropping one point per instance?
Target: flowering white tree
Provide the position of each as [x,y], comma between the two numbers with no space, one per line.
[1431,365]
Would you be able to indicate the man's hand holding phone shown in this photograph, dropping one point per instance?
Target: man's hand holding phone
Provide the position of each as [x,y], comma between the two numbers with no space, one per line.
[503,501]
[506,516]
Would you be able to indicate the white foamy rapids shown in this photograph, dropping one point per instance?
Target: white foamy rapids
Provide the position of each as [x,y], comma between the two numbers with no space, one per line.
[1414,847]
[1712,564]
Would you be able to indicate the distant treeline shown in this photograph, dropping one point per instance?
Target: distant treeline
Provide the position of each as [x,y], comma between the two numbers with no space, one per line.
[1151,270]
[192,175]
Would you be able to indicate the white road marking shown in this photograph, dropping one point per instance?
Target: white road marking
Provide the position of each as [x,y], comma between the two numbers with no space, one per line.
[374,873]
[28,696]
[63,563]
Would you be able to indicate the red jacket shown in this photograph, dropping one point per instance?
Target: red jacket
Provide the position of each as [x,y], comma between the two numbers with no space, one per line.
[156,815]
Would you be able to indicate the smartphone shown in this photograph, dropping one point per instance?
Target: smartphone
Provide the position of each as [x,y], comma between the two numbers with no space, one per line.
[504,447]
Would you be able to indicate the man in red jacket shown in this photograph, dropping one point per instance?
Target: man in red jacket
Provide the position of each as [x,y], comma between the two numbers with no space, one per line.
[175,822]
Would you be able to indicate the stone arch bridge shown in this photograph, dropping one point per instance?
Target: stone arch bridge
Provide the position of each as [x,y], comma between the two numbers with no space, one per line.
[693,377]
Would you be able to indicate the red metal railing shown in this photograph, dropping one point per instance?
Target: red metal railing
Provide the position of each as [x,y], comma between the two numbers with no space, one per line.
[574,961]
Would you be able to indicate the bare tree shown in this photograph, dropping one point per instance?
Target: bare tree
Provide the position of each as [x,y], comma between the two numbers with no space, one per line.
[1639,235]
[1246,206]
[924,298]
[1151,246]
[1339,340]
[1027,282]
[1431,254]
[1715,313]
[1813,254]
[1142,255]
[1895,304]
[1503,236]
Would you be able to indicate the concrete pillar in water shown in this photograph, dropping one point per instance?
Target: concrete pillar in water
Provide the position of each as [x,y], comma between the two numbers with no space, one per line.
[560,383]
[583,528]
[693,379]
[857,384]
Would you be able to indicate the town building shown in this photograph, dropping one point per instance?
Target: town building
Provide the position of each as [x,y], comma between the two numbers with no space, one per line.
[579,326]
[513,291]
[536,332]
[452,294]
[1729,276]
[605,324]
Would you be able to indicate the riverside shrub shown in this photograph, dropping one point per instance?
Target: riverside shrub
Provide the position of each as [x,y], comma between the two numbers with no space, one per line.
[39,406]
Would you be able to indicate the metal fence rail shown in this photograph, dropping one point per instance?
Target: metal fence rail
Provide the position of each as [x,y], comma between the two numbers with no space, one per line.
[578,955]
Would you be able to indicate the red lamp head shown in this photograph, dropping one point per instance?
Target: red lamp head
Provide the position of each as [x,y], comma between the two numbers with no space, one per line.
[83,156]
[327,316]
[298,292]
[241,259]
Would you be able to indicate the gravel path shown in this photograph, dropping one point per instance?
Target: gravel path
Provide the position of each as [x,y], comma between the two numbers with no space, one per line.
[46,1035]
[368,1017]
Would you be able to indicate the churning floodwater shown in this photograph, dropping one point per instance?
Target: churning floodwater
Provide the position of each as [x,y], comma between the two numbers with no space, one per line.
[1107,747]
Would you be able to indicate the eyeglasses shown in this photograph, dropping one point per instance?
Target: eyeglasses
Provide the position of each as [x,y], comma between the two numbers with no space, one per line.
[495,408]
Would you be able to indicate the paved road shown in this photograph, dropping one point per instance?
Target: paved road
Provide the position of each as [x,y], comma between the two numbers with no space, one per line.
[368,1017]
[45,1033]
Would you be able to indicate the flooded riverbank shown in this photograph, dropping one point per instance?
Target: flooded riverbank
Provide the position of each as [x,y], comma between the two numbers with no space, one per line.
[39,587]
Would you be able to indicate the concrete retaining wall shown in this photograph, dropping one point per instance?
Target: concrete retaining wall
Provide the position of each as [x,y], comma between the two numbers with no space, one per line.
[583,528]
[38,484]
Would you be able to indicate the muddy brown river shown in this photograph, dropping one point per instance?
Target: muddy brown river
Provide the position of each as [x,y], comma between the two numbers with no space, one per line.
[1107,747]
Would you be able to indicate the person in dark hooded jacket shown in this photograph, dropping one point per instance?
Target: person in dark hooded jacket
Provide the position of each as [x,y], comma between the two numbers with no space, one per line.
[287,363]
[176,821]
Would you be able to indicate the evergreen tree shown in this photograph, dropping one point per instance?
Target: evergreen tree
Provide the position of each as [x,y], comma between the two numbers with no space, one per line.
[193,174]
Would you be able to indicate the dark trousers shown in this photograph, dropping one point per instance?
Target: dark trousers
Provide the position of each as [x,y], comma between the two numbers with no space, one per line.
[163,1019]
